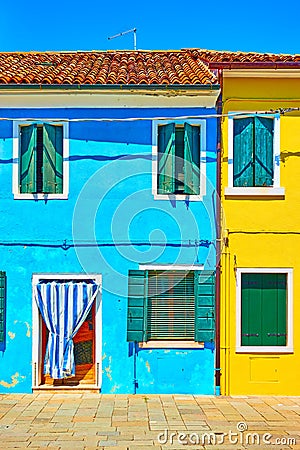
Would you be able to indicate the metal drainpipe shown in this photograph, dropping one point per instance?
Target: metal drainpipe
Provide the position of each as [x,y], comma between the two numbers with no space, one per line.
[218,244]
[135,382]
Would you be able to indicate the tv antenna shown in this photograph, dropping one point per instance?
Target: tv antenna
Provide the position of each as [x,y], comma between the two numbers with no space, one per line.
[133,30]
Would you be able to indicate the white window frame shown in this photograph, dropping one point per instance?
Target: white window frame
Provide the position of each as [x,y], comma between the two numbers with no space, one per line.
[177,344]
[16,159]
[37,329]
[288,348]
[274,190]
[189,197]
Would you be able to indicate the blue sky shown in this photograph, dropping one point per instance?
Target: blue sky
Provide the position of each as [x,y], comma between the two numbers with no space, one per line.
[258,25]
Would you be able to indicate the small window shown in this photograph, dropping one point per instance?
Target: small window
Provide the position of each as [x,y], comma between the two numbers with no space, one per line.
[171,306]
[254,156]
[41,159]
[264,305]
[178,169]
[41,150]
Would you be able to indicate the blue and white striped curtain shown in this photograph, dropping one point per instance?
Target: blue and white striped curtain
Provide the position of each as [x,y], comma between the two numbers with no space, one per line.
[64,307]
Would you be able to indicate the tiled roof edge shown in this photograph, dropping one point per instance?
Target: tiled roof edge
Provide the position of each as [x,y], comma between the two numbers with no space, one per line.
[127,87]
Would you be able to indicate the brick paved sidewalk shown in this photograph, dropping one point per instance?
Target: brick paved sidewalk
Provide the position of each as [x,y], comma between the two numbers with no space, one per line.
[89,422]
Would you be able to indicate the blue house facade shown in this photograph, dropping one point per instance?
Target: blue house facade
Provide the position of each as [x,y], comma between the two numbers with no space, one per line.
[108,230]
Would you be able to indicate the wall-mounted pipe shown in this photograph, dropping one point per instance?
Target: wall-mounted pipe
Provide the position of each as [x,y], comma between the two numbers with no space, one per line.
[218,247]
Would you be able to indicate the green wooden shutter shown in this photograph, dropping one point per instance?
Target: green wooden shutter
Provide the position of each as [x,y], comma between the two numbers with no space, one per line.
[191,159]
[281,309]
[166,158]
[264,297]
[264,161]
[136,313]
[52,159]
[251,309]
[171,305]
[243,173]
[28,159]
[2,309]
[204,306]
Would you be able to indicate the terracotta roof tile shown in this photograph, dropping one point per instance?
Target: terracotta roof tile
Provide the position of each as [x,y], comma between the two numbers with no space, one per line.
[178,67]
[243,57]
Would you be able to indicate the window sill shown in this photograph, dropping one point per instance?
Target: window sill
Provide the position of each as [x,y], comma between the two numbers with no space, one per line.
[266,349]
[179,197]
[171,344]
[254,192]
[40,196]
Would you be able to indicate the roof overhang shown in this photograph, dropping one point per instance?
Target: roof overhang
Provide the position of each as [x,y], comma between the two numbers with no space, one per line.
[115,87]
[106,96]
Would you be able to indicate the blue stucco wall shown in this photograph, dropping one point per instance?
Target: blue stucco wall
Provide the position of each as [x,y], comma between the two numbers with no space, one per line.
[112,215]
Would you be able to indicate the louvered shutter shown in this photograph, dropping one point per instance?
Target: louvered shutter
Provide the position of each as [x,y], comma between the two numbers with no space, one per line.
[171,305]
[264,161]
[263,309]
[2,309]
[52,159]
[243,148]
[137,306]
[28,159]
[166,158]
[204,306]
[191,159]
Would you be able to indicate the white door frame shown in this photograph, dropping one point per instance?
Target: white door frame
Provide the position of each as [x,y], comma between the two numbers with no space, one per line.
[37,326]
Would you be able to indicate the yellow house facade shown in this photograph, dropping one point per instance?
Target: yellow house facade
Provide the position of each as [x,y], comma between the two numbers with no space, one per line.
[260,240]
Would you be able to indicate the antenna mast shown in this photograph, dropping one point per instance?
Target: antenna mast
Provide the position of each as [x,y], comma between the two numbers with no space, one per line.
[133,30]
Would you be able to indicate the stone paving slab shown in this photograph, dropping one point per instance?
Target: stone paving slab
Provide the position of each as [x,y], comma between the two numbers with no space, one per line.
[128,422]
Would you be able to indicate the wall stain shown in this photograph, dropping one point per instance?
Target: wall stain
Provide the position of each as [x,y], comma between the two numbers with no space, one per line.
[148,366]
[11,334]
[285,154]
[108,368]
[15,379]
[104,356]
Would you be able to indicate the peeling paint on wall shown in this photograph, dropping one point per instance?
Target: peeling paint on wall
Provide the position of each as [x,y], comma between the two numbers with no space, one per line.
[148,366]
[28,328]
[114,388]
[11,334]
[108,372]
[108,368]
[15,379]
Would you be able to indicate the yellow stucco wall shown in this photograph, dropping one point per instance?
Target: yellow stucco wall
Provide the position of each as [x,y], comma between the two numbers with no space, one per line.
[258,373]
